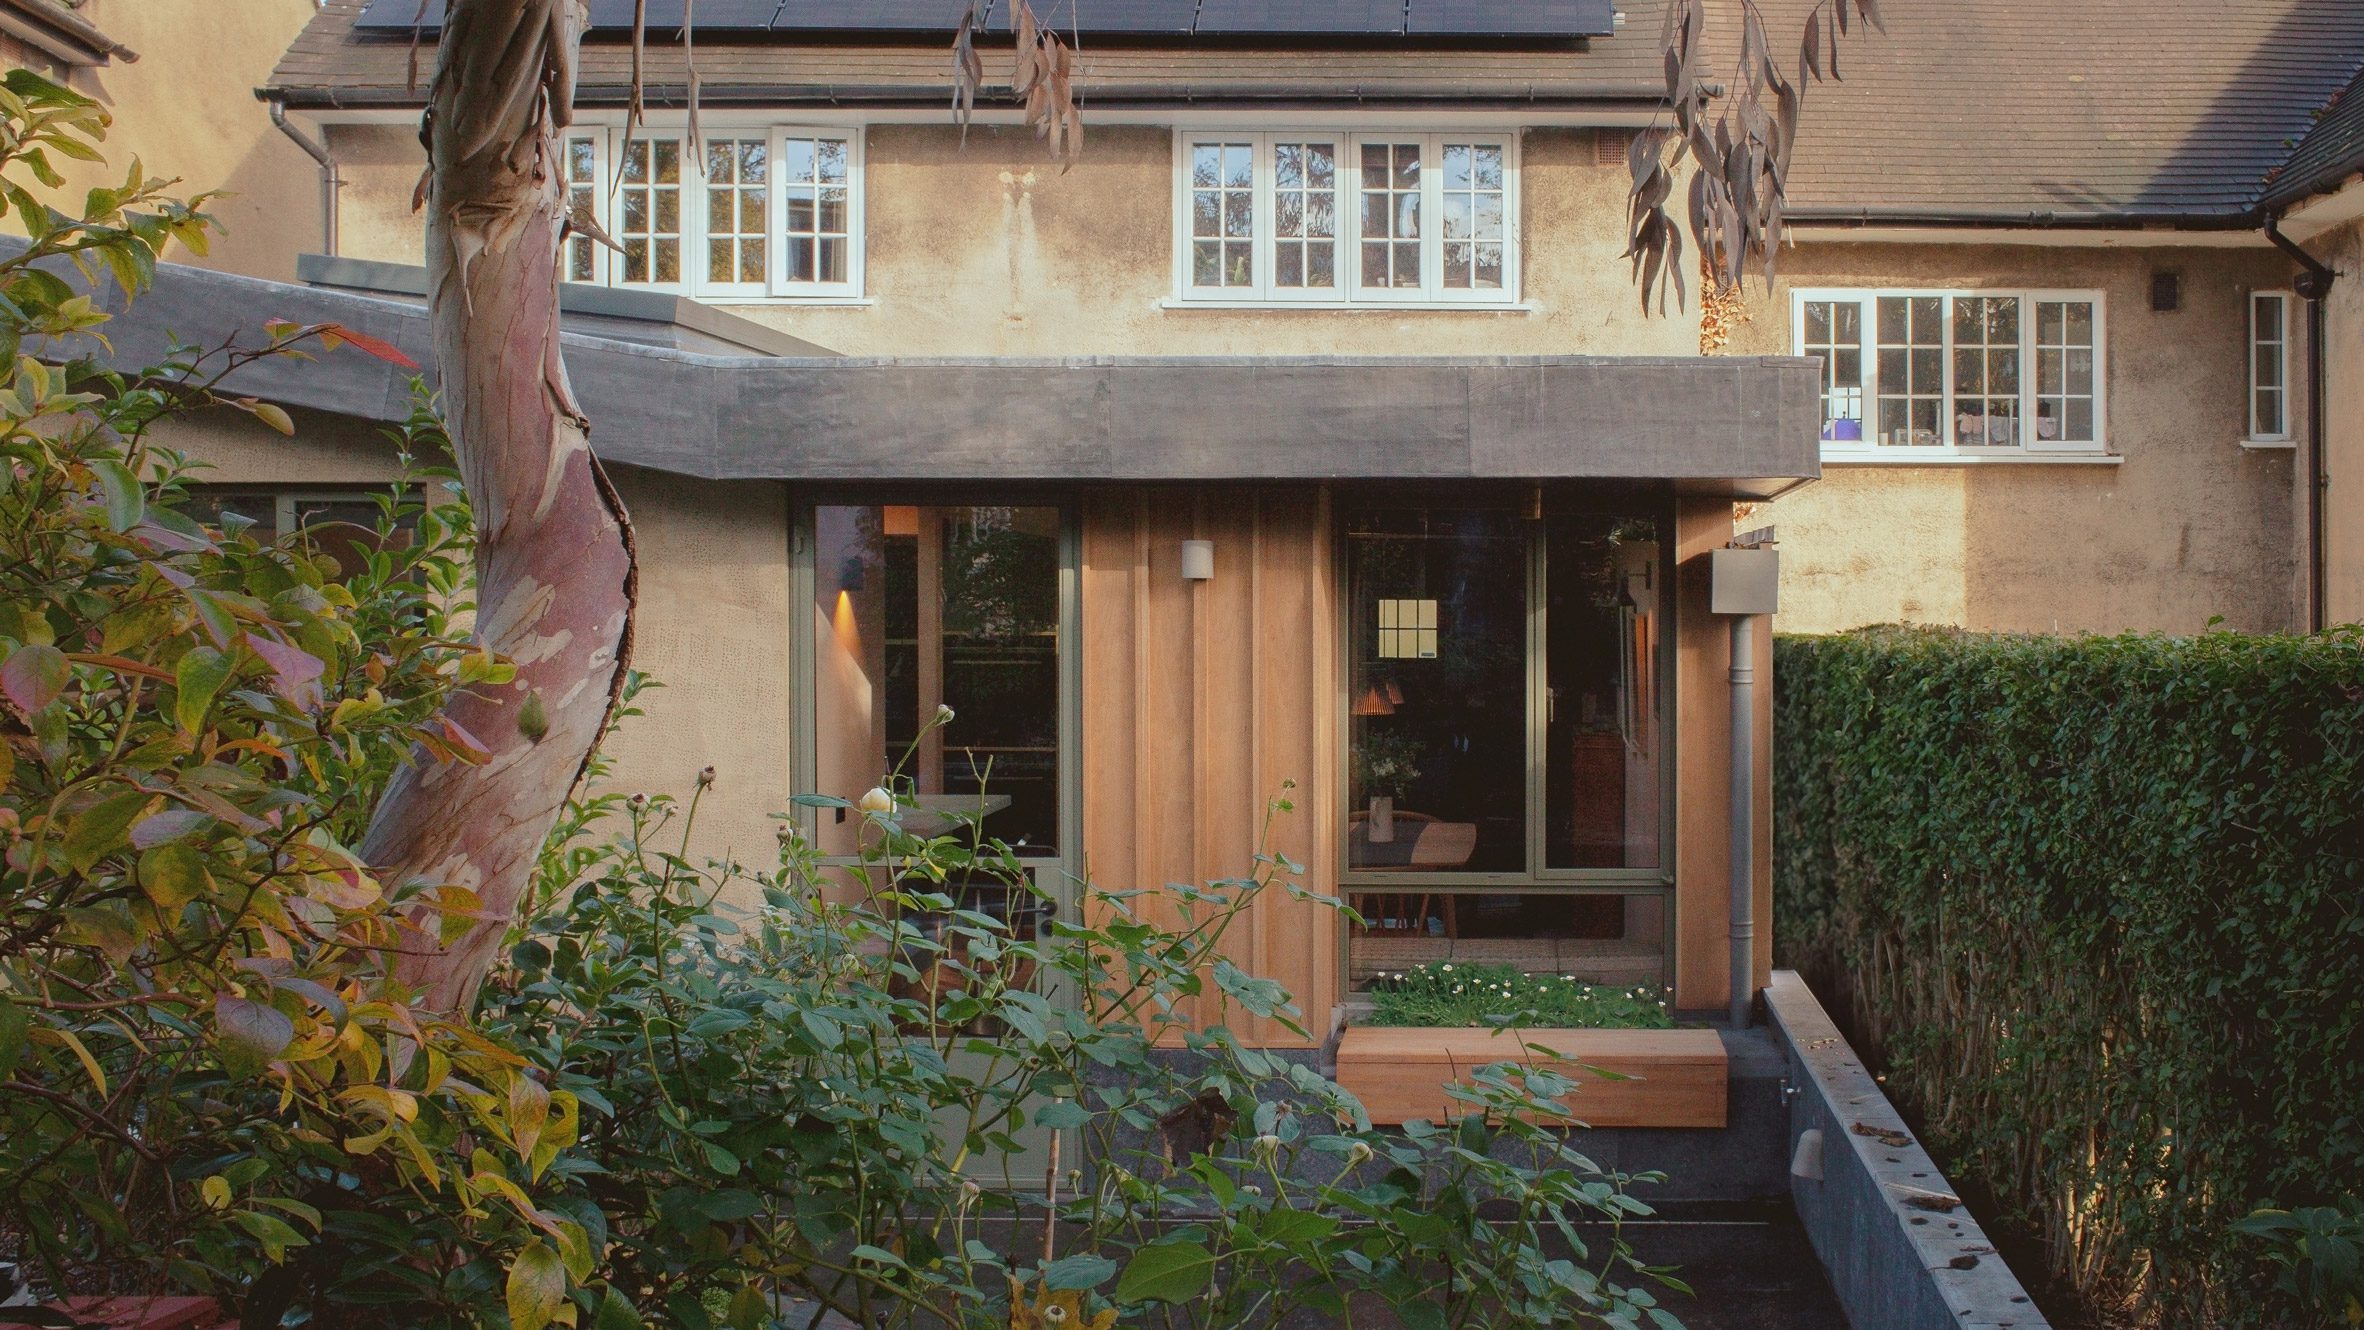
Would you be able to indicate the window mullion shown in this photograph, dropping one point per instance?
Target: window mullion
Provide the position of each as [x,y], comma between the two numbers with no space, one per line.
[2030,373]
[1432,216]
[1947,434]
[1265,228]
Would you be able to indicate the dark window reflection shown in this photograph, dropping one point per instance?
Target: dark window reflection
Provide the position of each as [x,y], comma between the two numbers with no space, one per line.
[919,607]
[1602,778]
[1437,691]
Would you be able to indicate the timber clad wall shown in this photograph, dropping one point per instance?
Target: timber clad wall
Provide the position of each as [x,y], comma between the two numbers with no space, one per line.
[1703,771]
[1200,699]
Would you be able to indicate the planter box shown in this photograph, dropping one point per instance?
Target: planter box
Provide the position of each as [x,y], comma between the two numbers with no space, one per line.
[138,1313]
[1676,1076]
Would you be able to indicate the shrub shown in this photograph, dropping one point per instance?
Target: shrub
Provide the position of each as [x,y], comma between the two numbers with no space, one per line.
[1455,994]
[2100,903]
[206,1079]
[812,1100]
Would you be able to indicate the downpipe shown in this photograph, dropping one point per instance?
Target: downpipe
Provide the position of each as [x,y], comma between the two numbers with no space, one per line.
[2313,285]
[330,183]
[1744,818]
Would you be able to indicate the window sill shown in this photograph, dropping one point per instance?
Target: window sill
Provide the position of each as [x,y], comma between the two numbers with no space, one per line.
[759,302]
[1975,459]
[2270,445]
[1357,306]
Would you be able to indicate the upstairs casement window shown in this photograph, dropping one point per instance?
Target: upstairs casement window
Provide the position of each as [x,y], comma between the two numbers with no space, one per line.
[2269,367]
[1341,219]
[774,213]
[1956,374]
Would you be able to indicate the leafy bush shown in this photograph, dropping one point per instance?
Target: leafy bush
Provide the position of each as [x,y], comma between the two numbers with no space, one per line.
[206,1079]
[2100,904]
[1451,994]
[813,1101]
[2320,1249]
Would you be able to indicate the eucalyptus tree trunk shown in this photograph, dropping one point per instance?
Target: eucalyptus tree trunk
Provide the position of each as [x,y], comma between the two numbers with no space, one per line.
[554,562]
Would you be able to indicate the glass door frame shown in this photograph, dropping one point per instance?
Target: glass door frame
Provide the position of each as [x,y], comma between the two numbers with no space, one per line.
[1059,873]
[1539,878]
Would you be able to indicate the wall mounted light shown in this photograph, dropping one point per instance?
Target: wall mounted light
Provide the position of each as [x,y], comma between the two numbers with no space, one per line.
[850,573]
[1198,560]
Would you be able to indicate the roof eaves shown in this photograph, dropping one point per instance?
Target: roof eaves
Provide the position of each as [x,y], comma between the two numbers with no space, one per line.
[60,33]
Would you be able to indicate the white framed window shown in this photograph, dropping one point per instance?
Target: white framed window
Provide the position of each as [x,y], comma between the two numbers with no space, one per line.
[2269,366]
[1956,375]
[749,212]
[1401,220]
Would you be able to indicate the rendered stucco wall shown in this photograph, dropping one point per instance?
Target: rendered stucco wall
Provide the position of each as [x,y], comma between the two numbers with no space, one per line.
[712,629]
[187,108]
[2188,527]
[2343,452]
[988,249]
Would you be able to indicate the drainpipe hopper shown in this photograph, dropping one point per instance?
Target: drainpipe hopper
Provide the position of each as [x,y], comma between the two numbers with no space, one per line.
[1744,581]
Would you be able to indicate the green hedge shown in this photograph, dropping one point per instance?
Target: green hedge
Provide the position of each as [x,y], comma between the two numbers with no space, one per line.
[2099,904]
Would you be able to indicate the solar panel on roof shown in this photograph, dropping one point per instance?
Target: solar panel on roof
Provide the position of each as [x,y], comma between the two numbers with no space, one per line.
[710,15]
[1140,18]
[1265,18]
[384,15]
[1511,18]
[936,16]
[606,15]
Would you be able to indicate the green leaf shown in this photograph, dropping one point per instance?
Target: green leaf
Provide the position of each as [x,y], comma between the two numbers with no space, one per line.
[537,1286]
[33,676]
[749,1309]
[615,1313]
[1170,1272]
[14,1023]
[172,875]
[252,1033]
[1080,1271]
[199,675]
[121,491]
[104,828]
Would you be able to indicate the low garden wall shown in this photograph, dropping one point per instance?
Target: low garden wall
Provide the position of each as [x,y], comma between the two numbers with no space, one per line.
[2098,906]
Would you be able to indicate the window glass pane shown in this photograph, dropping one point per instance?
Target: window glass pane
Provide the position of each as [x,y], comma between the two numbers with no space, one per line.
[255,513]
[2065,377]
[1305,214]
[1223,215]
[816,222]
[916,607]
[1911,370]
[1391,215]
[2269,318]
[738,172]
[1437,739]
[650,211]
[1986,371]
[1471,195]
[1531,940]
[581,254]
[1603,731]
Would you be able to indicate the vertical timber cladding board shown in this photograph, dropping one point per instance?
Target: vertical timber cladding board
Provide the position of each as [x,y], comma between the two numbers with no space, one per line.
[1703,786]
[1200,699]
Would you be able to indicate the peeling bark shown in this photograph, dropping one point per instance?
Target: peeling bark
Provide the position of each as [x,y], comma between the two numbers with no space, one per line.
[554,562]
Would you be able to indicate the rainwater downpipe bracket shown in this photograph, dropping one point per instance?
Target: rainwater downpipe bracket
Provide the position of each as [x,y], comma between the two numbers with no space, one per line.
[1744,581]
[2313,286]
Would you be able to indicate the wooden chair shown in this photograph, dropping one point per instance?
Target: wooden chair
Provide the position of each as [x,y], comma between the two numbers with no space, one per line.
[1404,912]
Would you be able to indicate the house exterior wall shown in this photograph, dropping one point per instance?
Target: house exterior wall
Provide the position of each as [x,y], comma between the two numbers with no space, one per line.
[186,108]
[989,249]
[2343,416]
[2188,527]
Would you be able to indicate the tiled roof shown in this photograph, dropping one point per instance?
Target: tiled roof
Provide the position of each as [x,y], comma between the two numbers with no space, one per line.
[2014,110]
[331,64]
[2331,152]
[1994,112]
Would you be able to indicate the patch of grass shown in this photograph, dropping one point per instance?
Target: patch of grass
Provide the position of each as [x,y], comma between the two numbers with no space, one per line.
[1481,996]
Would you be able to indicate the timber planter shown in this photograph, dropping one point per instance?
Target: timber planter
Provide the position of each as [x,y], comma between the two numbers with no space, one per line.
[1671,1078]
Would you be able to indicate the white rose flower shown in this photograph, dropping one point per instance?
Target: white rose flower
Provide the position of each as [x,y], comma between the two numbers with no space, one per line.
[877,799]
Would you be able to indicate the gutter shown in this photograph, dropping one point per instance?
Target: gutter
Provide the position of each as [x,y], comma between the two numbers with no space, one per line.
[1105,96]
[2033,219]
[65,35]
[2313,285]
[329,181]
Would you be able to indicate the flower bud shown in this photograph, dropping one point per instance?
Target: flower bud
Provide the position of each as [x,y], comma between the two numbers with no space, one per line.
[877,799]
[1357,1153]
[943,714]
[1268,1145]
